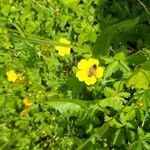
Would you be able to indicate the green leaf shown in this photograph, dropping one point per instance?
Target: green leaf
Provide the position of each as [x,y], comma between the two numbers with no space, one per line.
[87,36]
[140,79]
[103,42]
[127,114]
[119,138]
[114,102]
[70,3]
[139,146]
[75,85]
[142,141]
[120,56]
[5,10]
[146,65]
[65,106]
[124,67]
[131,135]
[113,122]
[146,145]
[113,67]
[3,22]
[109,92]
[136,59]
[144,98]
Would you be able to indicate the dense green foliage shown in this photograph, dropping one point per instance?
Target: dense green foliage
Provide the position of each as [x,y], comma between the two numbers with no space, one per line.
[66,114]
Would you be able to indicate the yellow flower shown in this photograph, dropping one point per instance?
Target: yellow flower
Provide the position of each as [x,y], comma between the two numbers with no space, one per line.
[25,111]
[89,71]
[11,76]
[27,107]
[26,102]
[62,50]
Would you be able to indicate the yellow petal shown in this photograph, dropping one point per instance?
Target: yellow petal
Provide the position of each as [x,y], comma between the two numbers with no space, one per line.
[26,102]
[62,51]
[81,75]
[64,41]
[90,80]
[93,61]
[99,72]
[11,76]
[83,64]
[25,111]
[67,51]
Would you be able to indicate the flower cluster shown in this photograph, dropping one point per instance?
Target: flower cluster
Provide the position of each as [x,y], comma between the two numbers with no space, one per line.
[89,71]
[63,50]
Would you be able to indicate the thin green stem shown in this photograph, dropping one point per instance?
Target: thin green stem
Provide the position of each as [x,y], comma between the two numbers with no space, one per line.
[147,11]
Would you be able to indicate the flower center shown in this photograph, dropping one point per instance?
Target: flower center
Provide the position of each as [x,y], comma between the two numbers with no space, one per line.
[92,71]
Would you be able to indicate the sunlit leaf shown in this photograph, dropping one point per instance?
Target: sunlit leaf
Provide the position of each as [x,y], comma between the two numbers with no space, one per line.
[139,79]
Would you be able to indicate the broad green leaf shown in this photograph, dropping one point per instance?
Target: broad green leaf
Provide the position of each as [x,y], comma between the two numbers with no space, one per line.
[64,106]
[109,92]
[140,79]
[87,36]
[114,102]
[103,42]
